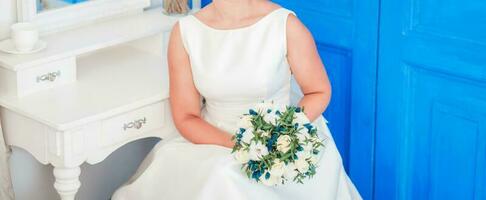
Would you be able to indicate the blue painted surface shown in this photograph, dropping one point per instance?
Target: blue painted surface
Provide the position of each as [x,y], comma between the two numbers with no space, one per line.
[346,35]
[431,106]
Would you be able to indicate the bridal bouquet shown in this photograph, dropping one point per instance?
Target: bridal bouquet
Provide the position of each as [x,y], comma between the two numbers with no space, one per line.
[277,145]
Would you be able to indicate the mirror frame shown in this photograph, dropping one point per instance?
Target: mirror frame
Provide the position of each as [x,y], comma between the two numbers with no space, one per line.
[77,14]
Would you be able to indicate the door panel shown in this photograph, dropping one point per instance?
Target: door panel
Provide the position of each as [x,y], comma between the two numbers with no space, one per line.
[346,35]
[431,119]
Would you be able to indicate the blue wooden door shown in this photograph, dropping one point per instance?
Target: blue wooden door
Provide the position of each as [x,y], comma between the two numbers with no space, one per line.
[346,35]
[431,106]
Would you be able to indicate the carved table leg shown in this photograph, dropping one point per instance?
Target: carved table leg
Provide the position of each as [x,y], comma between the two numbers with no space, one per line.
[67,181]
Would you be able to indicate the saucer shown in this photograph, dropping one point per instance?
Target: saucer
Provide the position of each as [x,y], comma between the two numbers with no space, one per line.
[8,46]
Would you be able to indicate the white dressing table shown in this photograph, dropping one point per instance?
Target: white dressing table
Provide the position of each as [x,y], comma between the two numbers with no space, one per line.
[94,89]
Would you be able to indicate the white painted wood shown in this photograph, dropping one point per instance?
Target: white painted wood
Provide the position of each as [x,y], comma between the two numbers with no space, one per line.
[25,133]
[83,143]
[196,5]
[46,76]
[26,10]
[56,20]
[131,124]
[154,45]
[97,36]
[58,59]
[165,132]
[71,148]
[8,81]
[84,121]
[110,82]
[67,181]
[42,77]
[122,81]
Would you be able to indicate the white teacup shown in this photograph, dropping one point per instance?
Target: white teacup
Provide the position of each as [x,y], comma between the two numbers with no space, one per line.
[24,35]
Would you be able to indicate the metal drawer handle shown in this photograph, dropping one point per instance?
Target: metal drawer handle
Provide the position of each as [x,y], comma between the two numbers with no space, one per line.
[51,76]
[137,124]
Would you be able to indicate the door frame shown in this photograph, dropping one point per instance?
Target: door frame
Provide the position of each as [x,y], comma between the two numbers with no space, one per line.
[364,96]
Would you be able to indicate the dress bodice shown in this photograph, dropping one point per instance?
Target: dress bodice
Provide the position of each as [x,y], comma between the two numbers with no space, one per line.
[233,69]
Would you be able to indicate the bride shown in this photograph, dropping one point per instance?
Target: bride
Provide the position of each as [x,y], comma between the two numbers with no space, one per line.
[223,60]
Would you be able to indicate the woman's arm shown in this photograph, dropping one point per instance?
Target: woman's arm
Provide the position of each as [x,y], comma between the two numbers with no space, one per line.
[185,99]
[307,67]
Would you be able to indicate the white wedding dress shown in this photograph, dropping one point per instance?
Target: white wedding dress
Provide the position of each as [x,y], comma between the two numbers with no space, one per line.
[233,69]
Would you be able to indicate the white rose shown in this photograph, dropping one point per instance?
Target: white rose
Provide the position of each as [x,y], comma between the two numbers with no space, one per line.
[257,151]
[242,156]
[316,140]
[247,136]
[301,118]
[290,171]
[302,165]
[308,146]
[314,160]
[283,143]
[270,117]
[245,122]
[304,154]
[303,135]
[278,168]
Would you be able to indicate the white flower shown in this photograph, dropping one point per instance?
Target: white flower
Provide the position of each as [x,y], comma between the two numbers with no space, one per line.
[271,181]
[308,147]
[263,107]
[270,117]
[314,160]
[283,143]
[315,139]
[242,156]
[305,154]
[303,135]
[280,107]
[247,136]
[301,118]
[290,171]
[266,134]
[257,151]
[302,165]
[278,168]
[245,122]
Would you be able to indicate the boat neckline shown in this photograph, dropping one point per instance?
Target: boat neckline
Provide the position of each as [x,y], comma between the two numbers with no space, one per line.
[238,28]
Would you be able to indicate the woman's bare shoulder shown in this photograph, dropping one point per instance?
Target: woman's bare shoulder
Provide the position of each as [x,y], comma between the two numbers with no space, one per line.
[296,28]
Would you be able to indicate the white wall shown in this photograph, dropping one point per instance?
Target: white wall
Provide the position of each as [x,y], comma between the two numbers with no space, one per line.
[33,180]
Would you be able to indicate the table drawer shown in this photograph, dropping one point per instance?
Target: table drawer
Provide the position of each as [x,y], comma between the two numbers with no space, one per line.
[45,76]
[132,124]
